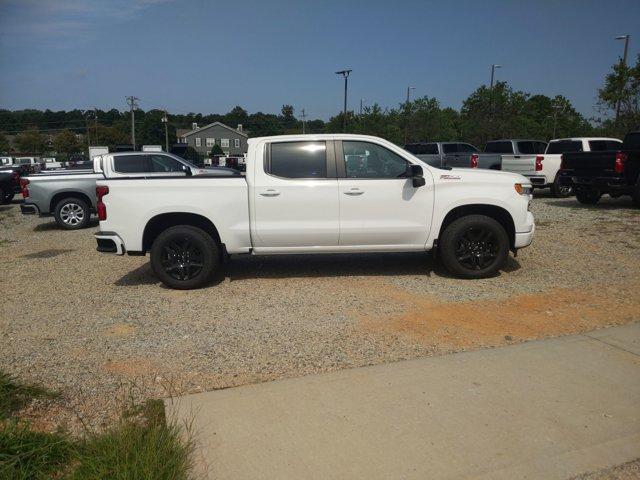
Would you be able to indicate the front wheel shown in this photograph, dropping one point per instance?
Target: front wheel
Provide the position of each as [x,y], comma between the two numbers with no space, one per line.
[184,257]
[72,213]
[588,197]
[475,246]
[560,191]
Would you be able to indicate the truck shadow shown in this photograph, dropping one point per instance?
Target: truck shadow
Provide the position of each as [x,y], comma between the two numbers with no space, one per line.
[605,203]
[241,268]
[52,225]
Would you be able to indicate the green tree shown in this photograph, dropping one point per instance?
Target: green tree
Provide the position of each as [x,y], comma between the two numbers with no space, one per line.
[66,143]
[31,141]
[216,150]
[4,143]
[623,85]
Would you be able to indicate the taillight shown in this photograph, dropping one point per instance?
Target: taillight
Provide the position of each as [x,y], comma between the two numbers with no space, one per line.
[539,159]
[101,191]
[474,160]
[24,189]
[621,158]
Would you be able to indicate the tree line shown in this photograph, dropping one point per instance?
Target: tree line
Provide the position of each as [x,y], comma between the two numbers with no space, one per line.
[487,114]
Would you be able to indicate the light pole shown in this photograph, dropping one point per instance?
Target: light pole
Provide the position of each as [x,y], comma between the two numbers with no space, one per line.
[86,114]
[132,106]
[493,72]
[165,120]
[624,64]
[406,125]
[345,74]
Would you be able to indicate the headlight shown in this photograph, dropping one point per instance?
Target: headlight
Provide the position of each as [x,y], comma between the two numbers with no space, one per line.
[523,189]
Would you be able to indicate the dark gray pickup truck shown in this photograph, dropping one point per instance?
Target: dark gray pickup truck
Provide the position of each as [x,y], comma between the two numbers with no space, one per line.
[615,172]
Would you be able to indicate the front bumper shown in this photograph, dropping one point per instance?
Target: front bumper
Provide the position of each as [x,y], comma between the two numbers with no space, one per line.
[29,209]
[525,236]
[109,242]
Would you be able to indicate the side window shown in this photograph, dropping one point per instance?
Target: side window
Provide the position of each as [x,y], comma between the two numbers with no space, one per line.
[298,160]
[163,164]
[527,148]
[466,148]
[540,147]
[131,164]
[368,160]
[449,148]
[612,145]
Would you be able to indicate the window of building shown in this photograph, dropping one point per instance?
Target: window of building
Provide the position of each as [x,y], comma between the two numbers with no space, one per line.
[236,142]
[224,143]
[368,160]
[298,160]
[211,142]
[198,142]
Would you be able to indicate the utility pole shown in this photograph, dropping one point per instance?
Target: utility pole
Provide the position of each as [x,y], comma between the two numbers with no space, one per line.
[408,113]
[493,71]
[165,120]
[624,64]
[95,123]
[304,122]
[362,100]
[345,74]
[132,101]
[85,114]
[555,117]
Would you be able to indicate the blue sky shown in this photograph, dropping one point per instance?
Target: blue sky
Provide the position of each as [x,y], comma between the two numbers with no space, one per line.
[208,56]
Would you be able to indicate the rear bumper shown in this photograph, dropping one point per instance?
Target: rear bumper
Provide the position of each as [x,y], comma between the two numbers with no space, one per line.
[29,209]
[109,242]
[609,183]
[537,180]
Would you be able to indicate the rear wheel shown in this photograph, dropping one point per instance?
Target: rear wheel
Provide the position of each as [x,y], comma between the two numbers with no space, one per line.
[5,197]
[560,191]
[184,257]
[475,246]
[72,213]
[587,196]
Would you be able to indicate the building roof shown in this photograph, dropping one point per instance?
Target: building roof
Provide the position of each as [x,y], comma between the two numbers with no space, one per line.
[191,132]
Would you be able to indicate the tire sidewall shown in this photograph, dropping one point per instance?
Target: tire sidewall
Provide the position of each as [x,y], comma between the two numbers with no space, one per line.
[208,246]
[588,197]
[78,201]
[451,235]
[555,189]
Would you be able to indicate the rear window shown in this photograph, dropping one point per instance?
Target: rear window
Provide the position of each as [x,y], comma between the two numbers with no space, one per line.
[531,147]
[499,147]
[564,146]
[422,148]
[131,164]
[298,160]
[603,145]
[466,148]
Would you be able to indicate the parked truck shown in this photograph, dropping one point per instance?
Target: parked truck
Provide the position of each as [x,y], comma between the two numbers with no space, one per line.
[70,196]
[9,185]
[334,193]
[615,172]
[443,154]
[542,169]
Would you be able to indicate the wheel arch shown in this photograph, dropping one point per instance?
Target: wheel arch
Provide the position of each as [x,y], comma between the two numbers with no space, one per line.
[156,225]
[69,194]
[501,215]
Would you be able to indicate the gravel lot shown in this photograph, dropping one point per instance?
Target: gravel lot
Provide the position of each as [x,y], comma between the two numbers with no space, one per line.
[91,325]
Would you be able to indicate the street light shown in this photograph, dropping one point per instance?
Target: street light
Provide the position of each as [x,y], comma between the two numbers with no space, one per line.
[406,125]
[624,63]
[345,74]
[493,71]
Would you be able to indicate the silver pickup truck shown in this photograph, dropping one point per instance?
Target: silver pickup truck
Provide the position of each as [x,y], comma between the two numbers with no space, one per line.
[465,155]
[70,195]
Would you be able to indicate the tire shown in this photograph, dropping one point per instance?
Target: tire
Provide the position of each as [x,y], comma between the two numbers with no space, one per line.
[72,213]
[475,246]
[635,196]
[7,197]
[2,195]
[560,191]
[197,250]
[588,197]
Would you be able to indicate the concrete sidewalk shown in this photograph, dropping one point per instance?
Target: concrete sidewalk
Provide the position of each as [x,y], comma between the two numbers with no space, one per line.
[548,409]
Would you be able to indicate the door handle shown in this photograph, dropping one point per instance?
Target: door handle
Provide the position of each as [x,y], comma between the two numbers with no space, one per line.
[270,193]
[354,191]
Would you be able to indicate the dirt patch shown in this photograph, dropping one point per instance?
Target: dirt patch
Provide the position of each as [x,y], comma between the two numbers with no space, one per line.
[470,324]
[133,367]
[122,330]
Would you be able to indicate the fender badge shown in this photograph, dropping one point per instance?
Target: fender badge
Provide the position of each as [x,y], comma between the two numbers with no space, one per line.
[449,177]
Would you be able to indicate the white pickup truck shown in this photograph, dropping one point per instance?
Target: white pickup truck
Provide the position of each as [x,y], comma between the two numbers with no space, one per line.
[542,169]
[315,194]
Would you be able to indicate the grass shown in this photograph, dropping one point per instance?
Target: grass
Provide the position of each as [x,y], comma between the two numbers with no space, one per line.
[142,445]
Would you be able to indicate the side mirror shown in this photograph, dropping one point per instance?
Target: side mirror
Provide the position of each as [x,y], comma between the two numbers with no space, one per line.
[187,170]
[416,174]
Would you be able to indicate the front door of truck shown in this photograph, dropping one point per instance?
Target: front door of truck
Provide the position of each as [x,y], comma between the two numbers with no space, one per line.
[295,196]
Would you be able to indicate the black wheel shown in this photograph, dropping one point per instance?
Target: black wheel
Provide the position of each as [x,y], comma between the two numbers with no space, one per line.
[560,191]
[184,257]
[475,246]
[3,196]
[7,197]
[588,197]
[72,213]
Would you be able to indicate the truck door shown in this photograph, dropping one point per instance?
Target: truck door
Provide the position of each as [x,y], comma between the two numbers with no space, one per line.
[379,206]
[295,196]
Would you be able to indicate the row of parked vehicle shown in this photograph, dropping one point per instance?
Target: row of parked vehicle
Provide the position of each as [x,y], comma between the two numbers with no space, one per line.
[329,194]
[539,161]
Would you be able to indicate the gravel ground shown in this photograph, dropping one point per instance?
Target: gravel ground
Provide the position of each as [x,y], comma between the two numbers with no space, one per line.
[627,471]
[95,326]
